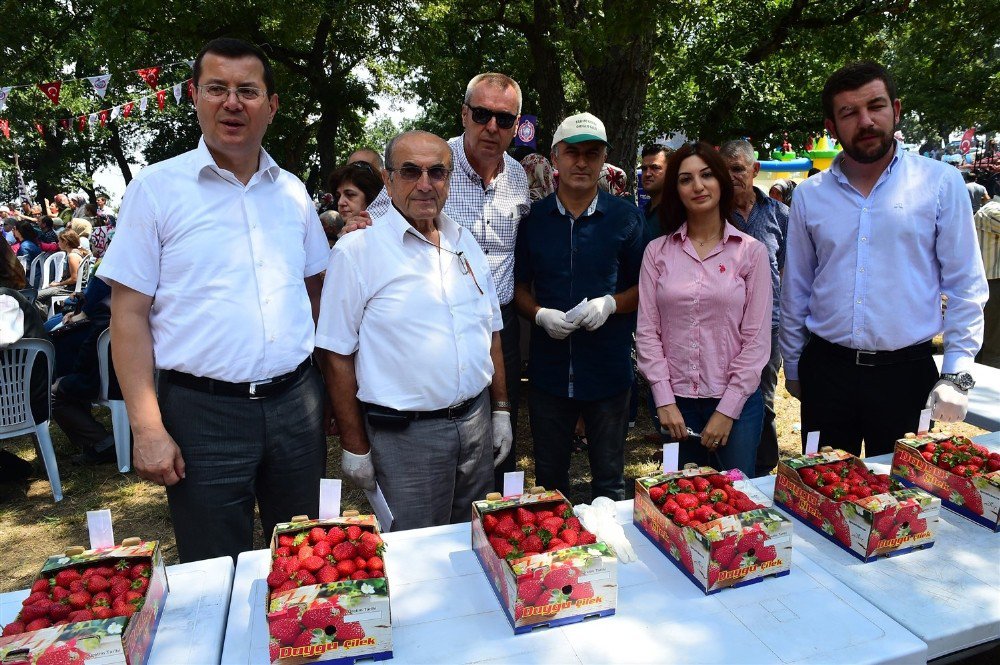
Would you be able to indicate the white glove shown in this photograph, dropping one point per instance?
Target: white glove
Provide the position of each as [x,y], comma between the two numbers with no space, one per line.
[947,403]
[596,312]
[359,469]
[503,436]
[600,520]
[554,323]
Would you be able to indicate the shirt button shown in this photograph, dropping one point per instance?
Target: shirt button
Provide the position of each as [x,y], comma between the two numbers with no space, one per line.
[273,337]
[864,210]
[859,301]
[861,269]
[267,301]
[694,345]
[260,263]
[864,238]
[695,302]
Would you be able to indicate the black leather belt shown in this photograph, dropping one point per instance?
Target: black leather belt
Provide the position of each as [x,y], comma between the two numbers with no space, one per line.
[875,358]
[451,413]
[251,390]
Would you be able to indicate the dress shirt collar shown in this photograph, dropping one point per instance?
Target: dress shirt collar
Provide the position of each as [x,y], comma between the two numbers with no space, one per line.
[462,162]
[728,231]
[449,229]
[203,159]
[837,170]
[594,206]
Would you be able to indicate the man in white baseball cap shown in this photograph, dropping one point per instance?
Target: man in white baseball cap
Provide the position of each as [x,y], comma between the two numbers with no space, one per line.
[580,244]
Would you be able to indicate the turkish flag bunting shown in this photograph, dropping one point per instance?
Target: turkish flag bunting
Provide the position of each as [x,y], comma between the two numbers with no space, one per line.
[5,127]
[161,98]
[51,90]
[127,109]
[64,123]
[103,116]
[82,123]
[190,83]
[40,127]
[151,76]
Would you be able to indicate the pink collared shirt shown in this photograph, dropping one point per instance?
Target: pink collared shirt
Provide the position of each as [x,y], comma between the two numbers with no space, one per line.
[704,326]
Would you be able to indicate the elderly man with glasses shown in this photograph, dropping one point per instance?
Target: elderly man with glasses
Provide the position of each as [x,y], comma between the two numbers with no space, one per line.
[410,317]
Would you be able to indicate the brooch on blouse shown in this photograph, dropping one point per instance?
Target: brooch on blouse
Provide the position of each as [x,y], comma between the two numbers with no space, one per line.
[722,268]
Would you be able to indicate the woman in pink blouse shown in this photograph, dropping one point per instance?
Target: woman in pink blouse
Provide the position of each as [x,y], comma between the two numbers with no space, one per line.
[704,329]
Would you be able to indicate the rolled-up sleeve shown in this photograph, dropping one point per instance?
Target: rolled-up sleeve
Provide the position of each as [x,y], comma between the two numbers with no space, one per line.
[651,359]
[743,377]
[796,287]
[133,259]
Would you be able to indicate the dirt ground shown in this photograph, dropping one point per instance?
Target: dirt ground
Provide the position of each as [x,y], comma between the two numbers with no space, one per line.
[33,527]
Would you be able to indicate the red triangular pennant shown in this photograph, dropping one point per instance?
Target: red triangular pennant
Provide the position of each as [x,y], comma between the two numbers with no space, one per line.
[161,98]
[64,123]
[127,109]
[81,123]
[190,83]
[40,127]
[51,90]
[151,76]
[103,116]
[5,127]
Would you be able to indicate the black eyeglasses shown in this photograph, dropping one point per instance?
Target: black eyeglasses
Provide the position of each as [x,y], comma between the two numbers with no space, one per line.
[482,116]
[411,173]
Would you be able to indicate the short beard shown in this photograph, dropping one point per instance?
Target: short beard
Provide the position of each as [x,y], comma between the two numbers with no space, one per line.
[883,149]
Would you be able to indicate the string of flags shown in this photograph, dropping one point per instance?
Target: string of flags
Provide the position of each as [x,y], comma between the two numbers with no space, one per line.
[150,76]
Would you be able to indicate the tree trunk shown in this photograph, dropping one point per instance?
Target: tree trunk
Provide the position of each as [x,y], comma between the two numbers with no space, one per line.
[118,152]
[545,78]
[326,135]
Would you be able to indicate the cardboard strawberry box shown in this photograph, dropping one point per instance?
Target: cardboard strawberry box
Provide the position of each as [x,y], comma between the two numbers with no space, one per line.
[545,569]
[965,475]
[715,527]
[328,591]
[98,605]
[835,494]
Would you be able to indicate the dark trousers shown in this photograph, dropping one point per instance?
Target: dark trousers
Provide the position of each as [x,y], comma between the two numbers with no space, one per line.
[238,450]
[767,451]
[990,352]
[847,403]
[510,340]
[553,420]
[75,418]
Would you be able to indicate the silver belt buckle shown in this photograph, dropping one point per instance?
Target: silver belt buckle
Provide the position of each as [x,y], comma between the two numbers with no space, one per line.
[857,358]
[254,384]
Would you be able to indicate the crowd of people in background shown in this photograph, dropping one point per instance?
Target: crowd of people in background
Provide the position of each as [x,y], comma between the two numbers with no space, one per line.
[389,310]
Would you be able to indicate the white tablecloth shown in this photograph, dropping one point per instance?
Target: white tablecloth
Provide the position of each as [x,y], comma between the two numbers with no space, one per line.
[444,611]
[947,595]
[193,622]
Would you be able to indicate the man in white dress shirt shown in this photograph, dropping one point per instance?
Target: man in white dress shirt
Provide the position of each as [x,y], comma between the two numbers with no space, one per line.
[216,274]
[410,318]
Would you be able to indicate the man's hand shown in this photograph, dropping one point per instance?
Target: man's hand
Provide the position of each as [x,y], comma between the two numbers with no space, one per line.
[596,312]
[716,431]
[671,420]
[360,221]
[947,402]
[157,458]
[503,436]
[359,469]
[554,323]
[794,388]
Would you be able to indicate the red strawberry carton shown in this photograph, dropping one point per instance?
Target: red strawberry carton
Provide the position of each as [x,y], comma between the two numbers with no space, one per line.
[836,495]
[715,527]
[103,605]
[545,568]
[328,594]
[965,475]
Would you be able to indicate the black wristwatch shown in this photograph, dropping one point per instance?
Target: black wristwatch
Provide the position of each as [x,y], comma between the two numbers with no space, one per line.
[963,380]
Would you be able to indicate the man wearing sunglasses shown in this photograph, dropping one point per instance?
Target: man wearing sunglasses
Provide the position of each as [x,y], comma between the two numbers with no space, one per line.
[489,197]
[412,323]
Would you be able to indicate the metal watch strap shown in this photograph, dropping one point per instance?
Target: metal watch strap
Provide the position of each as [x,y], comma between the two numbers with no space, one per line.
[501,405]
[963,380]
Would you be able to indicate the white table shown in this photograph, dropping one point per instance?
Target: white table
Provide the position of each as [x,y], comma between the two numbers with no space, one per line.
[984,398]
[443,610]
[947,595]
[193,622]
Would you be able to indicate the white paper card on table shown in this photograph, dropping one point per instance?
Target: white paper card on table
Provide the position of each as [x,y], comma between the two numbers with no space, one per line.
[99,525]
[925,422]
[513,483]
[812,443]
[329,498]
[671,454]
[575,312]
[380,507]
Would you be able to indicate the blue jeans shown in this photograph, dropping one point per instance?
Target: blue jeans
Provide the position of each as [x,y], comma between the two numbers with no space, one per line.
[741,450]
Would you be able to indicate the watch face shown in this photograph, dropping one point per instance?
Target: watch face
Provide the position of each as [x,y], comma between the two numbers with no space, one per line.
[963,380]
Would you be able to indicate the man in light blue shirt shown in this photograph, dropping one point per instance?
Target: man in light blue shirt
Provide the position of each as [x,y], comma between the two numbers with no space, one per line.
[873,242]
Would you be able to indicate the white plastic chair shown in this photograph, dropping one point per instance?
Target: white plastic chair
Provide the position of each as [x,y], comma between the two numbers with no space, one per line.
[82,277]
[53,268]
[24,263]
[16,418]
[119,415]
[35,270]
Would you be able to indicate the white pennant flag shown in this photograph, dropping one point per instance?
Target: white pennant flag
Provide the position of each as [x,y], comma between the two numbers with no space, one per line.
[190,63]
[4,94]
[178,91]
[142,104]
[115,110]
[92,119]
[100,83]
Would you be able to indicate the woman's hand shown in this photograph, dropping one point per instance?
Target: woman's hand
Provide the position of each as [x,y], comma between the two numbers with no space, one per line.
[716,432]
[672,421]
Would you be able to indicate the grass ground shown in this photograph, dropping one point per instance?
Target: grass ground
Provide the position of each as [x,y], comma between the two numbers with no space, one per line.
[32,526]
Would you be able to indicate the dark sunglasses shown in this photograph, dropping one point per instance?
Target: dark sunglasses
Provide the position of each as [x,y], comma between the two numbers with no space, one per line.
[365,166]
[412,173]
[482,116]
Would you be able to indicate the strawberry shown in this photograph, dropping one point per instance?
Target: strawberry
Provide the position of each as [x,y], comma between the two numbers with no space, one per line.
[63,654]
[76,586]
[369,545]
[275,578]
[586,538]
[59,611]
[79,600]
[321,615]
[375,565]
[285,631]
[347,630]
[317,535]
[685,485]
[656,494]
[118,585]
[353,532]
[361,562]
[13,628]
[701,484]
[559,577]
[359,575]
[81,615]
[766,553]
[140,584]
[322,549]
[713,573]
[884,522]
[842,532]
[313,563]
[918,526]
[718,495]
[573,523]
[750,540]
[34,598]
[907,513]
[286,540]
[336,535]
[552,524]
[41,584]
[304,639]
[724,551]
[282,552]
[37,624]
[965,494]
[529,589]
[533,544]
[140,570]
[103,612]
[287,586]
[542,515]
[523,516]
[97,583]
[582,590]
[304,577]
[346,567]
[65,577]
[345,551]
[489,523]
[305,551]
[686,501]
[327,574]
[101,599]
[59,593]
[569,536]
